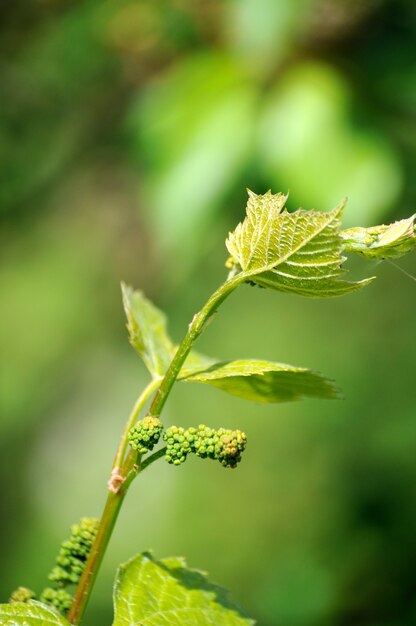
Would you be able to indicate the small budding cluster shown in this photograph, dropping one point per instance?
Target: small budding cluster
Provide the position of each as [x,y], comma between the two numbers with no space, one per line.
[60,599]
[74,553]
[71,561]
[223,445]
[178,444]
[145,434]
[22,594]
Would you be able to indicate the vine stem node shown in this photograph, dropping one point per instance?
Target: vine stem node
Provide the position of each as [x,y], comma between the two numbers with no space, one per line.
[116,480]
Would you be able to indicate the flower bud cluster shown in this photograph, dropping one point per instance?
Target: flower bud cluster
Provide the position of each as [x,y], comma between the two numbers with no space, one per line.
[230,446]
[74,552]
[145,434]
[70,561]
[58,598]
[22,594]
[223,445]
[178,445]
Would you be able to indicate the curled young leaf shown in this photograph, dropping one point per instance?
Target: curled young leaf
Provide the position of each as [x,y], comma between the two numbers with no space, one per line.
[165,592]
[381,242]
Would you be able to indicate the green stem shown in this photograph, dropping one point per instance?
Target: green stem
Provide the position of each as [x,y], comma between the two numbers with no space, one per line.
[85,585]
[152,458]
[127,467]
[141,401]
[195,328]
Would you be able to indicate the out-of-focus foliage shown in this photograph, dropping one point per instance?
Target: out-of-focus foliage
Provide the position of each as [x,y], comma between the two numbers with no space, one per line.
[308,114]
[129,131]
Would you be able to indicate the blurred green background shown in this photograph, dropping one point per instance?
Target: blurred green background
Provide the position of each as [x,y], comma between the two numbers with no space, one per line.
[129,130]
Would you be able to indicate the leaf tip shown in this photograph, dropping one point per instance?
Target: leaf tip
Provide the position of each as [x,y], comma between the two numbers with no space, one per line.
[339,209]
[126,291]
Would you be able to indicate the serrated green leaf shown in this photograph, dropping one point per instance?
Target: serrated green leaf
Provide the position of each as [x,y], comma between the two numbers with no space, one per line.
[255,243]
[148,592]
[382,242]
[296,252]
[265,381]
[147,331]
[30,614]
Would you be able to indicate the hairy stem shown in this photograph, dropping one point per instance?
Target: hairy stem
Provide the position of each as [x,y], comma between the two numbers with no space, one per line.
[128,466]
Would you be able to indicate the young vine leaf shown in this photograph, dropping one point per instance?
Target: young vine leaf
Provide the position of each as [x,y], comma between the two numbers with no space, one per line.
[30,614]
[382,242]
[160,593]
[146,325]
[263,381]
[296,252]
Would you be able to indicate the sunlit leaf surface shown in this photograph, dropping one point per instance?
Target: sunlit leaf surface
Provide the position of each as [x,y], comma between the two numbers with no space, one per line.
[148,592]
[265,381]
[30,614]
[296,252]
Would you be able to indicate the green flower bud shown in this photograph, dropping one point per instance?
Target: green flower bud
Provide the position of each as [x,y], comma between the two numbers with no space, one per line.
[145,434]
[178,446]
[230,445]
[74,552]
[205,440]
[58,598]
[22,594]
[225,446]
[63,576]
